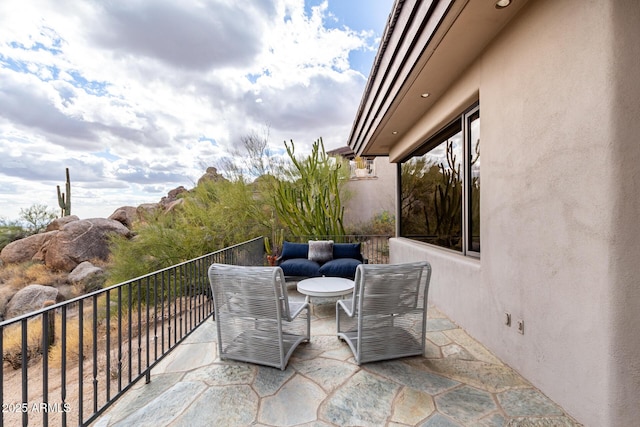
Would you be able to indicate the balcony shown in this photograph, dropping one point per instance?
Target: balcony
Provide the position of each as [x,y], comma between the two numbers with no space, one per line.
[89,355]
[458,383]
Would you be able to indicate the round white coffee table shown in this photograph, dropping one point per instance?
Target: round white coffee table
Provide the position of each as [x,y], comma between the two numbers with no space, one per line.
[325,287]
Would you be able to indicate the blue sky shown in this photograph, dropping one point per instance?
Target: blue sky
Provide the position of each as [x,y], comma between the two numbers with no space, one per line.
[139,97]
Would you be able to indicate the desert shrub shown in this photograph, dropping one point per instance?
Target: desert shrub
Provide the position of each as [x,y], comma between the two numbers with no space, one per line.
[214,215]
[382,224]
[19,275]
[12,341]
[11,231]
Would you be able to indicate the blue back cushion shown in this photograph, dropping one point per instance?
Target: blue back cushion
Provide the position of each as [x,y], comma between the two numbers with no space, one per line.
[347,250]
[294,250]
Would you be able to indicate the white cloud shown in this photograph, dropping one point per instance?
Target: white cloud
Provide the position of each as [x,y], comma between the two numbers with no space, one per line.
[138,97]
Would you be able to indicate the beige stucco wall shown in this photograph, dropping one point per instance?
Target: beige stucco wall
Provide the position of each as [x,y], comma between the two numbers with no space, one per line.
[370,196]
[560,199]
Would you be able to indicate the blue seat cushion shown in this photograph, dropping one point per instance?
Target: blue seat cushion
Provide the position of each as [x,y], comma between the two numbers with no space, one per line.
[294,250]
[347,250]
[300,267]
[341,267]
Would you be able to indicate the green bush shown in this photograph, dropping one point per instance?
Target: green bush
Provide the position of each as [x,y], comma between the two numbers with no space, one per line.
[11,231]
[382,224]
[214,215]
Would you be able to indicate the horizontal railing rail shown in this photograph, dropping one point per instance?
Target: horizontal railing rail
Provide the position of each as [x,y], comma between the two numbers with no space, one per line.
[66,363]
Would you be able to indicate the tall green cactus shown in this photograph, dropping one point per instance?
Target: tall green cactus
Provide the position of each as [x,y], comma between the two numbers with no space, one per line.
[310,205]
[447,201]
[64,200]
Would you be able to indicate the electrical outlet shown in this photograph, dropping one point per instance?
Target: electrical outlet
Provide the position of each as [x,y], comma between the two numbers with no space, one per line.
[521,326]
[507,319]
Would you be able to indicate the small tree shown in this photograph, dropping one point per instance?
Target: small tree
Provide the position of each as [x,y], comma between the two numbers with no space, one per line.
[37,217]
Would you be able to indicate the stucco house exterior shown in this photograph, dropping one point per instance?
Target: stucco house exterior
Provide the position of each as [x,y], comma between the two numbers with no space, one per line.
[541,225]
[369,193]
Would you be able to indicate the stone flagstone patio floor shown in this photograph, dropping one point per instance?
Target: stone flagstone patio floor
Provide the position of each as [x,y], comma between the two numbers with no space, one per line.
[458,383]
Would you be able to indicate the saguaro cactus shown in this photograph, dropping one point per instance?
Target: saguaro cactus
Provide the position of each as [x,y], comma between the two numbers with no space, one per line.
[64,200]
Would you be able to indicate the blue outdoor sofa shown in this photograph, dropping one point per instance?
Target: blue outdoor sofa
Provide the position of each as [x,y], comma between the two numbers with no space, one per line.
[320,258]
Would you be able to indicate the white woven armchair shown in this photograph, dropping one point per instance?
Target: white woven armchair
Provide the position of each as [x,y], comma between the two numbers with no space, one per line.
[386,317]
[256,322]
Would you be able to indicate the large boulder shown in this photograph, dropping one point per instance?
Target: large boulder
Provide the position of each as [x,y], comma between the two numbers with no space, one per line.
[80,241]
[211,174]
[58,223]
[126,215]
[87,276]
[148,211]
[30,298]
[83,271]
[172,196]
[6,293]
[26,249]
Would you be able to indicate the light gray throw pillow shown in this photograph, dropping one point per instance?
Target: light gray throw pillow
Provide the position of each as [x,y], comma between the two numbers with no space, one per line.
[320,251]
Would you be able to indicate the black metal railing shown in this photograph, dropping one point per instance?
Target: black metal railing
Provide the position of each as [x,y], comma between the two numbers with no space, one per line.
[66,363]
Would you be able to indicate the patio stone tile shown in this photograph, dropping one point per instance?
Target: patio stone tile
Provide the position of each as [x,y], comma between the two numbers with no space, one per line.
[164,408]
[235,405]
[440,421]
[324,327]
[321,345]
[465,404]
[542,422]
[432,351]
[224,374]
[412,406]
[440,324]
[207,332]
[187,357]
[364,400]
[306,351]
[527,402]
[344,353]
[268,380]
[141,394]
[412,376]
[454,351]
[324,307]
[276,410]
[321,342]
[458,383]
[482,375]
[327,373]
[495,420]
[438,338]
[434,312]
[480,352]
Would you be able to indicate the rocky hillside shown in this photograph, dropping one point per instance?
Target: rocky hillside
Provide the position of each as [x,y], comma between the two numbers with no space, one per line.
[71,247]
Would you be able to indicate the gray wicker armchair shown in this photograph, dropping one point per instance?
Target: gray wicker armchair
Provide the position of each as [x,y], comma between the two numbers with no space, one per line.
[386,317]
[256,322]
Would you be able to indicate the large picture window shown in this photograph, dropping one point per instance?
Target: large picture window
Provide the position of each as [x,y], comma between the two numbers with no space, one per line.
[440,187]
